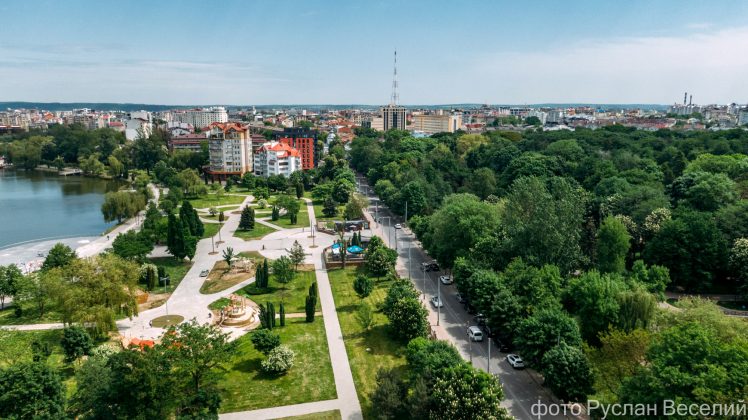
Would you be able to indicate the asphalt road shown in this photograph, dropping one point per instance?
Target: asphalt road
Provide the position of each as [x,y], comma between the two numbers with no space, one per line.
[522,388]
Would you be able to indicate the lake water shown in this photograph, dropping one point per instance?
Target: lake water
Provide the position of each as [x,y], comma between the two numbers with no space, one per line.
[36,206]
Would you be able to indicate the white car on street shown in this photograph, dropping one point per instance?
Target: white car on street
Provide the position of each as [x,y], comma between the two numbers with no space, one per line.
[515,361]
[475,333]
[447,280]
[436,302]
[398,226]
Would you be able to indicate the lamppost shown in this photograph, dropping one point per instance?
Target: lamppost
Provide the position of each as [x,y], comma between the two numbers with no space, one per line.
[439,306]
[470,346]
[489,355]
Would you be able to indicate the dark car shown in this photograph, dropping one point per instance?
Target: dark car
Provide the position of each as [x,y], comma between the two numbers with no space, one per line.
[430,266]
[480,319]
[503,346]
[460,298]
[470,309]
[486,330]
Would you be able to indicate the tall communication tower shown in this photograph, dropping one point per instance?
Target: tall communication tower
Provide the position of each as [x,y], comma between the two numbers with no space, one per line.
[395,96]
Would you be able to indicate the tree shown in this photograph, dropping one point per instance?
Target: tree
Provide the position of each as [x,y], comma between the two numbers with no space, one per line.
[11,279]
[75,342]
[91,165]
[381,261]
[429,358]
[283,270]
[594,299]
[261,279]
[400,289]
[189,217]
[228,256]
[132,245]
[355,206]
[247,219]
[59,256]
[282,315]
[482,183]
[365,316]
[738,264]
[387,398]
[613,242]
[292,209]
[121,205]
[704,191]
[296,255]
[330,207]
[543,221]
[543,330]
[149,274]
[299,188]
[279,360]
[310,306]
[619,356]
[275,213]
[464,393]
[568,373]
[363,286]
[31,391]
[408,319]
[196,351]
[265,341]
[175,240]
[654,278]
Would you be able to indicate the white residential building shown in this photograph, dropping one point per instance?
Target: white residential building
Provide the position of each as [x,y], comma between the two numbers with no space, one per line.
[229,149]
[202,117]
[137,123]
[275,158]
[437,123]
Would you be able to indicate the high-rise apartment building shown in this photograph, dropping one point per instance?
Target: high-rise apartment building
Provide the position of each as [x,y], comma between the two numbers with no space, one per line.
[302,140]
[202,117]
[229,149]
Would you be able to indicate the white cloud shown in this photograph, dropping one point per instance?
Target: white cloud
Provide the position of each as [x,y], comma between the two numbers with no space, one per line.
[631,70]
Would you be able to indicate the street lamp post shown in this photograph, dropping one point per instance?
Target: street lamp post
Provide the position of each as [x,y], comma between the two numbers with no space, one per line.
[470,346]
[439,306]
[489,355]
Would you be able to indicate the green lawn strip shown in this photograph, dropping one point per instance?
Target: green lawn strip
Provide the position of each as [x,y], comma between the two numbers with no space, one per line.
[29,315]
[219,304]
[246,387]
[211,200]
[176,270]
[301,221]
[383,351]
[322,415]
[259,231]
[211,229]
[292,294]
[319,205]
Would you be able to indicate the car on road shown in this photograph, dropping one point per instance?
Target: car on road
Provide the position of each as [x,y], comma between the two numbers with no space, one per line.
[460,298]
[486,330]
[447,280]
[474,333]
[503,346]
[480,319]
[430,266]
[436,302]
[515,361]
[398,226]
[470,308]
[204,273]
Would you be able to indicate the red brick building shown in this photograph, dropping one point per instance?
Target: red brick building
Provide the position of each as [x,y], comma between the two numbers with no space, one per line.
[302,140]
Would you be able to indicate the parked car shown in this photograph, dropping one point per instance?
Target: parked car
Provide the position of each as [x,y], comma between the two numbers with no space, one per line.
[486,329]
[470,308]
[204,273]
[474,333]
[515,361]
[460,298]
[480,319]
[430,266]
[437,302]
[398,226]
[503,346]
[447,280]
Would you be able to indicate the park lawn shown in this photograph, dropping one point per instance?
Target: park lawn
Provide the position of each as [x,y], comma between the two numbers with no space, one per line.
[258,232]
[30,315]
[15,347]
[246,387]
[322,415]
[319,205]
[301,221]
[211,229]
[176,270]
[292,294]
[384,352]
[210,200]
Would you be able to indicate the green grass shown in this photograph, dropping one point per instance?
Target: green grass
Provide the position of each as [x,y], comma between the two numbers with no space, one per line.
[293,295]
[384,352]
[30,315]
[219,304]
[210,200]
[211,229]
[246,387]
[318,205]
[322,415]
[259,231]
[166,321]
[176,270]
[301,221]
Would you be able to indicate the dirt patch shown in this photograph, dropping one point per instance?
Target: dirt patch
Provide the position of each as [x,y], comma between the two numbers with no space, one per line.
[154,301]
[221,278]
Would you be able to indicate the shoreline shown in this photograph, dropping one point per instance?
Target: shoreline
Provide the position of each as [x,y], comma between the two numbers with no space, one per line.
[25,254]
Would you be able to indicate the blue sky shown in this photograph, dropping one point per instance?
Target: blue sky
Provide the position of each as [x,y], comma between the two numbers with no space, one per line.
[338,52]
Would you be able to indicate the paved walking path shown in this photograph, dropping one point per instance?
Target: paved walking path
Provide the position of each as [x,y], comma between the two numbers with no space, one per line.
[285,411]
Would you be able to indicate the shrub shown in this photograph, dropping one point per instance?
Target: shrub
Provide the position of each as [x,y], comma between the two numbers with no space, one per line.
[265,341]
[75,342]
[279,360]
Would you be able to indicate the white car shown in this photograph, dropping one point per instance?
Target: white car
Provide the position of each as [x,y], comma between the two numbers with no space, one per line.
[475,333]
[204,273]
[398,226]
[437,302]
[515,361]
[446,280]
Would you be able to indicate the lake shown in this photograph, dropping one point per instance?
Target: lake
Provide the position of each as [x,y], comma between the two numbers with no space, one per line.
[36,206]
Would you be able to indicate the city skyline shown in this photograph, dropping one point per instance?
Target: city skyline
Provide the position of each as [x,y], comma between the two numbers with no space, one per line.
[341,53]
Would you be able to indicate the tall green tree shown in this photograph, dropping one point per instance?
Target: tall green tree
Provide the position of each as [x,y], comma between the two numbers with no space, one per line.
[613,242]
[59,256]
[31,391]
[568,373]
[464,393]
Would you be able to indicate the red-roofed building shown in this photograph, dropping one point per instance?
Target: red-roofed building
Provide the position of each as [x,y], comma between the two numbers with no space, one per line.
[230,150]
[276,158]
[302,140]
